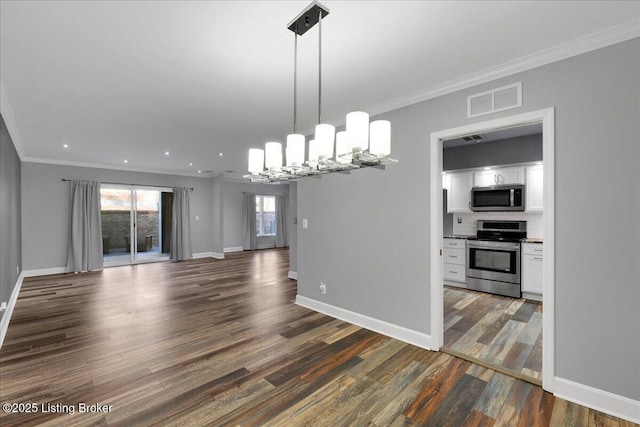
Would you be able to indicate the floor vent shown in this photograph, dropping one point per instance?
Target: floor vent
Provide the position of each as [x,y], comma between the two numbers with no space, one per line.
[492,101]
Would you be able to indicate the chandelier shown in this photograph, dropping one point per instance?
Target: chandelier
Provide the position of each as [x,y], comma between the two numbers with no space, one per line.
[362,144]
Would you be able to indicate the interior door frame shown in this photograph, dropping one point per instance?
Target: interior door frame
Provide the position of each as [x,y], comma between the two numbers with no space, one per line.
[547,118]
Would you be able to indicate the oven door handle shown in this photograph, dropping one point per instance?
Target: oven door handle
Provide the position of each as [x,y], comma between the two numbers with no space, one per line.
[511,197]
[493,245]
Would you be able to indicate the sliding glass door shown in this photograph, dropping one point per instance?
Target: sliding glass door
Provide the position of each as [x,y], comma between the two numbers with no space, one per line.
[136,224]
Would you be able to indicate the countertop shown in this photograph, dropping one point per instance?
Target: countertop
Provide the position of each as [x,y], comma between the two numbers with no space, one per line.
[466,236]
[531,240]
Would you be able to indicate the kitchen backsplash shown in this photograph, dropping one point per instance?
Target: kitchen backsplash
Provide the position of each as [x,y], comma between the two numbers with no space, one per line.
[469,221]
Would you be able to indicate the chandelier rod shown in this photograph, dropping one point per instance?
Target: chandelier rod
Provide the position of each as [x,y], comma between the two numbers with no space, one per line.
[295,81]
[319,66]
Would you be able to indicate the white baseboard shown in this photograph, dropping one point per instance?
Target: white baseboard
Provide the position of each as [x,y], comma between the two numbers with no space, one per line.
[233,249]
[6,317]
[44,271]
[401,333]
[600,400]
[293,275]
[266,246]
[533,297]
[216,255]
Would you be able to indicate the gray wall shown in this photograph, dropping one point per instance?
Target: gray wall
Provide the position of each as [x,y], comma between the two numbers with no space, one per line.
[233,200]
[369,237]
[217,214]
[503,152]
[45,208]
[10,219]
[293,230]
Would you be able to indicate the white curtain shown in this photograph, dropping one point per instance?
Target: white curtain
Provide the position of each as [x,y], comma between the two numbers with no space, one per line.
[249,222]
[281,221]
[84,249]
[180,248]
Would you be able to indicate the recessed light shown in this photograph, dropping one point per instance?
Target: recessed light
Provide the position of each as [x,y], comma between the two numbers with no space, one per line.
[166,153]
[199,171]
[220,154]
[487,168]
[65,145]
[190,164]
[126,161]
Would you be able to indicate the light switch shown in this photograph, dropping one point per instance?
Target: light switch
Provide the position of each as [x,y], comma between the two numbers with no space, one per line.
[197,217]
[305,223]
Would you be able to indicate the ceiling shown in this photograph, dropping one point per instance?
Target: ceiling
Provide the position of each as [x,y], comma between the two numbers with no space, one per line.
[118,81]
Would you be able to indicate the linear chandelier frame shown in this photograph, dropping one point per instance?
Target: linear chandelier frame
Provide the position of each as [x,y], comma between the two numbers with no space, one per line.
[362,144]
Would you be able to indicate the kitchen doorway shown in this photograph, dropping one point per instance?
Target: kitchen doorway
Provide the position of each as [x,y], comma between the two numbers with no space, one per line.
[546,118]
[136,224]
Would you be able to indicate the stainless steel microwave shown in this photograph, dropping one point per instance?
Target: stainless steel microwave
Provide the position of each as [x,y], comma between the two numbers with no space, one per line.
[497,198]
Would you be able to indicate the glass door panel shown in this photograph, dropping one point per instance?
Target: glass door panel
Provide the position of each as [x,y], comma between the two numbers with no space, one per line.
[136,225]
[116,219]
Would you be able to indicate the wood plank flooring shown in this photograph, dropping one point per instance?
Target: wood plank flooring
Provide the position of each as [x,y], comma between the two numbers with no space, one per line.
[220,342]
[496,331]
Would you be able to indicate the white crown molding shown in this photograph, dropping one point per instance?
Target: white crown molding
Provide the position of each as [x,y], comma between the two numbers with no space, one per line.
[115,167]
[600,400]
[7,115]
[610,36]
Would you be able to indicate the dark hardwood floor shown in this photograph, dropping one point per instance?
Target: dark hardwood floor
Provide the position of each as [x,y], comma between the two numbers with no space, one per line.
[220,342]
[498,332]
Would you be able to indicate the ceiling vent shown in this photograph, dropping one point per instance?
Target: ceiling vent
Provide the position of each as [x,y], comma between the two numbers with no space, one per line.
[492,101]
[472,137]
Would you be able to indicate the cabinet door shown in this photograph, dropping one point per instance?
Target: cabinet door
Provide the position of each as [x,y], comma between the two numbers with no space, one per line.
[532,274]
[485,178]
[534,192]
[510,175]
[459,188]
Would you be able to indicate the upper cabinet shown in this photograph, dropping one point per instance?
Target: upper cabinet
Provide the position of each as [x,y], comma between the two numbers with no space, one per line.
[498,176]
[460,183]
[534,189]
[459,186]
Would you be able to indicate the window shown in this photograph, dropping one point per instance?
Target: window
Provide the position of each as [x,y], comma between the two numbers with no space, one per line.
[265,215]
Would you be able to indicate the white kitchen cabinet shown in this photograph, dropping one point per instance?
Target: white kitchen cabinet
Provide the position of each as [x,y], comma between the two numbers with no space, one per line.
[534,189]
[454,261]
[498,176]
[460,184]
[532,257]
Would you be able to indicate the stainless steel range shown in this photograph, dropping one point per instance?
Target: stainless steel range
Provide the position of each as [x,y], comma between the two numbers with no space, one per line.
[493,257]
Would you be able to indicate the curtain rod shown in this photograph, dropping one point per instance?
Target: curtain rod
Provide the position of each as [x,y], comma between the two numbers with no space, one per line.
[125,183]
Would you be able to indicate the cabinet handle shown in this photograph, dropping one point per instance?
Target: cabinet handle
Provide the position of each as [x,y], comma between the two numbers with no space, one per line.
[453,256]
[454,272]
[537,257]
[537,250]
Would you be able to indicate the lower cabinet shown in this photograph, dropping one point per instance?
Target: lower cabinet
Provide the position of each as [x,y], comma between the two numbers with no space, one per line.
[532,257]
[453,262]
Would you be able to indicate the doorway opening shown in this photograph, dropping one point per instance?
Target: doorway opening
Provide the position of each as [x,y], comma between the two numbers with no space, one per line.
[458,299]
[136,224]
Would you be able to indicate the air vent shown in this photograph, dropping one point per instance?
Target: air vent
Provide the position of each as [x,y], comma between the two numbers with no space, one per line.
[492,101]
[472,137]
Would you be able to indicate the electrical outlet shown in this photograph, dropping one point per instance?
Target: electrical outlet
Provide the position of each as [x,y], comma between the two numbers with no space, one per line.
[305,223]
[3,306]
[323,288]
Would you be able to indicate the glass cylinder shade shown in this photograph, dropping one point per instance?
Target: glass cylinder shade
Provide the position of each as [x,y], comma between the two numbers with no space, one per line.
[273,156]
[342,147]
[295,149]
[358,128]
[380,138]
[313,151]
[256,161]
[325,136]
